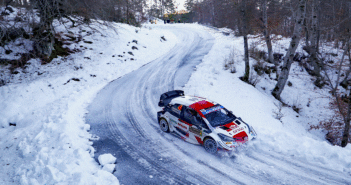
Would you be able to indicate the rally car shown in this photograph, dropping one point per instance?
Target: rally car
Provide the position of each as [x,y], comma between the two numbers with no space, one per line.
[200,121]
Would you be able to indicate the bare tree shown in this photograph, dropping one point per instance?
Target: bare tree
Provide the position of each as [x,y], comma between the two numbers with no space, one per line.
[346,114]
[246,76]
[266,33]
[288,59]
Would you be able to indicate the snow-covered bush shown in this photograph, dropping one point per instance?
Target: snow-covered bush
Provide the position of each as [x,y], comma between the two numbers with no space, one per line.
[334,126]
[230,61]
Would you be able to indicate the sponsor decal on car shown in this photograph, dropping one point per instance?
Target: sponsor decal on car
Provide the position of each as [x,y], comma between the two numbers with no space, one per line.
[176,110]
[213,109]
[238,130]
[182,126]
[172,121]
[181,131]
[234,126]
[180,107]
[195,131]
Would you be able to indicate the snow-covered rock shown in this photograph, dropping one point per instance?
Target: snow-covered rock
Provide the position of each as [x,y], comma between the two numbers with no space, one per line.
[106,159]
[109,167]
[106,178]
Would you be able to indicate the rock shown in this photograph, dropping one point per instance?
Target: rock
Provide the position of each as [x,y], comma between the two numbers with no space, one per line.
[7,52]
[289,84]
[2,82]
[163,38]
[106,159]
[9,8]
[12,124]
[88,42]
[277,56]
[75,79]
[109,168]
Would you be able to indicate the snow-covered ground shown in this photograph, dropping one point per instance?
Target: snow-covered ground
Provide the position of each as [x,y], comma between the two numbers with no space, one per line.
[289,135]
[50,143]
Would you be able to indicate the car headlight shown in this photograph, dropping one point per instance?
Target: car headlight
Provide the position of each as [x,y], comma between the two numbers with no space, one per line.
[226,138]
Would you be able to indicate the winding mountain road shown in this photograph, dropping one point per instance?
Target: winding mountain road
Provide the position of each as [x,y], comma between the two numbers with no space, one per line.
[123,116]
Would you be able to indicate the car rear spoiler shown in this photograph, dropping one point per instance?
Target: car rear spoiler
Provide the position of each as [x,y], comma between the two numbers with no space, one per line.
[167,97]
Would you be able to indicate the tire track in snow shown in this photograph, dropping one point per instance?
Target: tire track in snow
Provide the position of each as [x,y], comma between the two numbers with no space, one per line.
[134,128]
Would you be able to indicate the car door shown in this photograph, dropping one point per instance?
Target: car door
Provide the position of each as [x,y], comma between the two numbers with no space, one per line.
[183,124]
[198,129]
[174,115]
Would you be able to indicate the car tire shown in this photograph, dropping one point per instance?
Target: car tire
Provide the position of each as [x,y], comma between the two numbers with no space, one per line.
[164,125]
[210,145]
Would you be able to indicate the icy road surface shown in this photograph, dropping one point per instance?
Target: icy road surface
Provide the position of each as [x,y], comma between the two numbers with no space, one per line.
[123,116]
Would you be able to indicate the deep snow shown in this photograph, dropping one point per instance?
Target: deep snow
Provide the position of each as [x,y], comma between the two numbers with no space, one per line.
[288,136]
[50,143]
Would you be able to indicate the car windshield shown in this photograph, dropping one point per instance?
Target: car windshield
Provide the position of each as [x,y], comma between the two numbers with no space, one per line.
[218,115]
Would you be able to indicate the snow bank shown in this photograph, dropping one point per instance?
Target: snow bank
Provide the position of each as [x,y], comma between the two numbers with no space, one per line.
[288,136]
[50,143]
[106,159]
[109,167]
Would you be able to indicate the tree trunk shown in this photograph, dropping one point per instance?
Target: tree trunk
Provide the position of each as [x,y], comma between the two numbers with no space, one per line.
[346,134]
[266,34]
[344,83]
[313,48]
[127,11]
[288,59]
[246,76]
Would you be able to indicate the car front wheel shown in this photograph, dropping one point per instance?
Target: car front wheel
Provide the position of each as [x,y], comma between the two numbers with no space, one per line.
[164,125]
[210,145]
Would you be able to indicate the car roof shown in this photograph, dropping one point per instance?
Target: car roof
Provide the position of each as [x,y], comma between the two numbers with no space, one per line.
[197,103]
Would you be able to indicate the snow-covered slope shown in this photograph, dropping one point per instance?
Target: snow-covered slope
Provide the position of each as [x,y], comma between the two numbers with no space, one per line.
[50,142]
[288,136]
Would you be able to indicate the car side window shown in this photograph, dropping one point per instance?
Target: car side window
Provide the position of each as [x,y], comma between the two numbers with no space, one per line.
[200,122]
[175,110]
[191,116]
[187,114]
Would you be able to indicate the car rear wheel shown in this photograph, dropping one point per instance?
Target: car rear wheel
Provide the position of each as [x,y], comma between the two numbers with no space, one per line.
[210,145]
[164,125]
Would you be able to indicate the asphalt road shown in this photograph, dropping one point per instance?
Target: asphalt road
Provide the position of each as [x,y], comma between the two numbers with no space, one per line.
[123,116]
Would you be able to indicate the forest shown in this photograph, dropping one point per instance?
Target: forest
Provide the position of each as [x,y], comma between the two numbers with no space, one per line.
[311,23]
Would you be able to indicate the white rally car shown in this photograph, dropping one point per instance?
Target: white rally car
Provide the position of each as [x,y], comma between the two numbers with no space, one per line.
[200,121]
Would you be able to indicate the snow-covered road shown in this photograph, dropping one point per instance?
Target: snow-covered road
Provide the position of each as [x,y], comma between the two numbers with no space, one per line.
[123,116]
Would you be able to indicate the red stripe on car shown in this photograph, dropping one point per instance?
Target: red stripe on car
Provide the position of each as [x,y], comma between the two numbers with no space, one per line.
[199,140]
